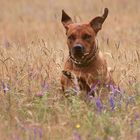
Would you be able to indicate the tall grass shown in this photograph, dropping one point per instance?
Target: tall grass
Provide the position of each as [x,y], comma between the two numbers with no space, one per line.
[32,54]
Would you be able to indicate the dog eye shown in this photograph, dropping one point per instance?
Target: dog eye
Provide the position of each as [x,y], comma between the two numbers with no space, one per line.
[86,37]
[71,37]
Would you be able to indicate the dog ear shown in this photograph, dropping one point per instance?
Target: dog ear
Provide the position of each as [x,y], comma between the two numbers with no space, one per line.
[97,22]
[66,20]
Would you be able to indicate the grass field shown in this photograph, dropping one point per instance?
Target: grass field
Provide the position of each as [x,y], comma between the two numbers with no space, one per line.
[32,54]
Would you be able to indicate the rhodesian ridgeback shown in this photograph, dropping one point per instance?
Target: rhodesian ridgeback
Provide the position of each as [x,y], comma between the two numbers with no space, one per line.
[86,65]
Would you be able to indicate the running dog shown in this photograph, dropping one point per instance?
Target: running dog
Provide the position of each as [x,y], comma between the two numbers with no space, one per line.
[86,64]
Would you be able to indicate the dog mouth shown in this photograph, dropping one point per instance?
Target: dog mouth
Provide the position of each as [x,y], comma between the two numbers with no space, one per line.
[79,56]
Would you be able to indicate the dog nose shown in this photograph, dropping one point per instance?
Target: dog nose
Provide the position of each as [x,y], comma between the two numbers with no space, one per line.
[78,48]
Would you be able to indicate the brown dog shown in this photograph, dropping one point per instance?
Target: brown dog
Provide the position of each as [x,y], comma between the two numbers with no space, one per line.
[85,63]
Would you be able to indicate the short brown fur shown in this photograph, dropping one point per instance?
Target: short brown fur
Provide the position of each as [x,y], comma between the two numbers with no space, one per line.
[89,66]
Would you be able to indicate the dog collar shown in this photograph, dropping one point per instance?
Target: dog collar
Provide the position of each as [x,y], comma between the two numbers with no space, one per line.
[87,61]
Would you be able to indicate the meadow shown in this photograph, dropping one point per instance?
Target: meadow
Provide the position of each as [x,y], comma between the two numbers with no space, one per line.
[32,54]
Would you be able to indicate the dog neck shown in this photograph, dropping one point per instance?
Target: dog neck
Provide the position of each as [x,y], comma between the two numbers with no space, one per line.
[88,60]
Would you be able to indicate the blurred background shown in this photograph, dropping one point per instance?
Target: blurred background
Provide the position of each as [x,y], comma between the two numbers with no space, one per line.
[31,17]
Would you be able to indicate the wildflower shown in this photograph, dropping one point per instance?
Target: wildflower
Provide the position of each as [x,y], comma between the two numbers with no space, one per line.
[114,89]
[76,136]
[117,90]
[99,82]
[5,87]
[44,85]
[112,103]
[137,115]
[40,133]
[6,43]
[93,90]
[78,126]
[40,94]
[35,133]
[91,93]
[99,105]
[15,137]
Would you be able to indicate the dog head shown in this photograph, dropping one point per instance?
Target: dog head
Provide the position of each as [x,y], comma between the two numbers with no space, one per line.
[81,37]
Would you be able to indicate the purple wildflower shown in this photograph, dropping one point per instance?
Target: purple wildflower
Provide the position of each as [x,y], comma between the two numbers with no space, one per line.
[15,137]
[44,85]
[35,133]
[5,87]
[99,82]
[130,82]
[90,95]
[6,43]
[76,136]
[117,90]
[114,89]
[99,105]
[93,90]
[40,94]
[137,115]
[112,103]
[40,133]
